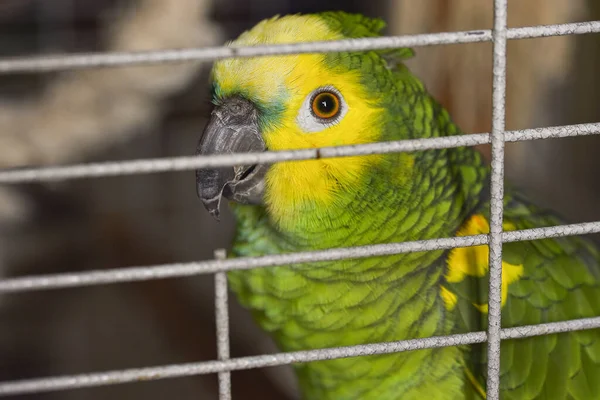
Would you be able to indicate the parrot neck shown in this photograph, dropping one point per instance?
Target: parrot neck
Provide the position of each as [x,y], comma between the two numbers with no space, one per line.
[393,203]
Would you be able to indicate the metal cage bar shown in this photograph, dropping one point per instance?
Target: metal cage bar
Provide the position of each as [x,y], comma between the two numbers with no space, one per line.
[143,273]
[496,199]
[272,360]
[224,365]
[170,164]
[222,319]
[89,60]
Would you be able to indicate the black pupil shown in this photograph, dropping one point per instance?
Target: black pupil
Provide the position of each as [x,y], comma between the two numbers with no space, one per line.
[326,104]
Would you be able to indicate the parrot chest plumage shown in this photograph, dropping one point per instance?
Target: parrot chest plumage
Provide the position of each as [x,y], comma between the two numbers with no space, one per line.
[353,302]
[358,301]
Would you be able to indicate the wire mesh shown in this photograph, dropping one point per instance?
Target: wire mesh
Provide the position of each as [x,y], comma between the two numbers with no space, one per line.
[224,365]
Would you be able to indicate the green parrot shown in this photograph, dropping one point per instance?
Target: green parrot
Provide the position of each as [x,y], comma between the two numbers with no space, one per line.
[347,98]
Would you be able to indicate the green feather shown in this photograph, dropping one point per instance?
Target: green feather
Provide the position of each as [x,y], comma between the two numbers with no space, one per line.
[557,374]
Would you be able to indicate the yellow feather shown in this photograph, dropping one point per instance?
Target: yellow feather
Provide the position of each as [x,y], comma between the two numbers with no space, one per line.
[449,298]
[265,76]
[474,261]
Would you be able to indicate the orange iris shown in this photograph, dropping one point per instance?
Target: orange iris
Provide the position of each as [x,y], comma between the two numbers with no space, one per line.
[326,105]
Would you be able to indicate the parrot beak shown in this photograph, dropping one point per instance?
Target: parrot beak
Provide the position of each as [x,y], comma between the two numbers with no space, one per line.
[233,128]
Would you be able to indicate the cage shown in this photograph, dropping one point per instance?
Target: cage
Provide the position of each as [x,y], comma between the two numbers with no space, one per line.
[84,210]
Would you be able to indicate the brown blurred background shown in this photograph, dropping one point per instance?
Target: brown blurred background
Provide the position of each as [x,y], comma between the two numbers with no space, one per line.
[159,111]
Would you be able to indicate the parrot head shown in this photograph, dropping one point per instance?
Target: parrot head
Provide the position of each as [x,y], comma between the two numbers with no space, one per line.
[294,102]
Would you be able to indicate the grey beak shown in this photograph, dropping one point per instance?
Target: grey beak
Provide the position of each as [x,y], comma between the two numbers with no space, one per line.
[233,128]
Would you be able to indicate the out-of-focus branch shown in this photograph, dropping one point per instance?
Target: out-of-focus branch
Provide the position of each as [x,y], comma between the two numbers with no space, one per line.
[85,112]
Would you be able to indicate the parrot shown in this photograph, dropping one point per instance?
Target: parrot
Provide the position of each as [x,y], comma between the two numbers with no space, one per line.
[345,98]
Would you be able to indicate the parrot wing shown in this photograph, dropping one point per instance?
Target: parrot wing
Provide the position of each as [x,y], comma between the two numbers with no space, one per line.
[544,281]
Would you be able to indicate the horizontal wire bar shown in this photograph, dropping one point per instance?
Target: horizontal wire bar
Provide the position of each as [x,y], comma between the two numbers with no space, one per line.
[155,165]
[271,360]
[35,64]
[143,273]
[539,31]
[133,274]
[89,60]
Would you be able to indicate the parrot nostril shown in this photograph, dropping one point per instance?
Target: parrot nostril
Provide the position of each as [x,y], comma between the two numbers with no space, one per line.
[247,172]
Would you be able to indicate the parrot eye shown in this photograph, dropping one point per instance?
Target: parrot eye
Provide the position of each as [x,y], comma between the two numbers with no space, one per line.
[325,105]
[321,109]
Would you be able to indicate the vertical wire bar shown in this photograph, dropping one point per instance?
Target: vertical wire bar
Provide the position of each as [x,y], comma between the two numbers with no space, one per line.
[497,199]
[222,322]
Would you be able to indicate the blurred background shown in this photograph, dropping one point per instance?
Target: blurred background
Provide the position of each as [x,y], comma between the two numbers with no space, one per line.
[160,111]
